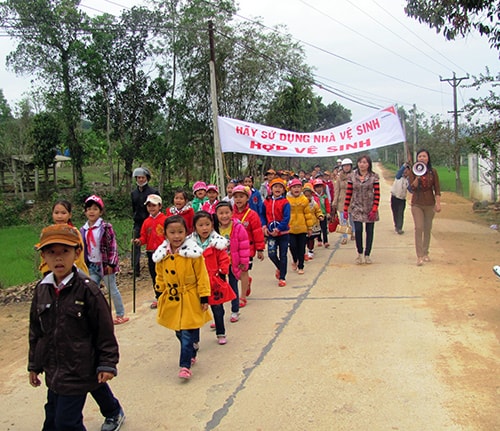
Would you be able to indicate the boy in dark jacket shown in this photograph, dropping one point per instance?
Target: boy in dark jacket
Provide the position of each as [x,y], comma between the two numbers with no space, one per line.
[71,336]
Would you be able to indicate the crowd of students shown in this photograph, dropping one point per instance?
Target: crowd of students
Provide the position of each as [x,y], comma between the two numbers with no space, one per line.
[200,253]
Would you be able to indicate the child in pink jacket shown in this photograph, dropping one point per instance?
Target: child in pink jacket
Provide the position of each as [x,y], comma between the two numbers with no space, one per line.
[239,249]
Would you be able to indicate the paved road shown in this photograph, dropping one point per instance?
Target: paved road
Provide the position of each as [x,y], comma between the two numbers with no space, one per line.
[343,347]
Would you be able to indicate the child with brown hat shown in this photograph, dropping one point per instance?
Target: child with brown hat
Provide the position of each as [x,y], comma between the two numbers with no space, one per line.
[71,337]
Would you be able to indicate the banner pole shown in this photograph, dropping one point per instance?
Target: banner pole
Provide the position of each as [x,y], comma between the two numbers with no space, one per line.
[219,171]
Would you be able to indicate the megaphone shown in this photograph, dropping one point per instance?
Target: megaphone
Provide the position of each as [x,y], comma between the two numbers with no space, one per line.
[419,169]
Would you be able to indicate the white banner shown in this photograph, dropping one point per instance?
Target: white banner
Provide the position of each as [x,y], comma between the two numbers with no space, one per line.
[378,130]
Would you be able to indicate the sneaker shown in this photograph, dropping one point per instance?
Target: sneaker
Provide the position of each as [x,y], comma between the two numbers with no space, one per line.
[120,319]
[221,339]
[154,305]
[114,423]
[212,325]
[282,283]
[185,373]
[359,259]
[368,260]
[234,317]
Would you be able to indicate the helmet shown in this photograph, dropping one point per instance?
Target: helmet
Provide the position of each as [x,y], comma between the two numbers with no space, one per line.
[141,172]
[318,182]
[294,182]
[346,161]
[277,181]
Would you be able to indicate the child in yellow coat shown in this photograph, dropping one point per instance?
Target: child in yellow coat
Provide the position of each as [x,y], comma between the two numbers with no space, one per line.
[301,223]
[182,279]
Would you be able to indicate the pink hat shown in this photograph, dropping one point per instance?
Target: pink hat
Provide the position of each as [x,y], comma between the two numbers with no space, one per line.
[199,185]
[294,182]
[213,187]
[95,199]
[242,189]
[318,182]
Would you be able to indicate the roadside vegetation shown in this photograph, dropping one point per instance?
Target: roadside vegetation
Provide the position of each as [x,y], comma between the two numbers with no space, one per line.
[93,101]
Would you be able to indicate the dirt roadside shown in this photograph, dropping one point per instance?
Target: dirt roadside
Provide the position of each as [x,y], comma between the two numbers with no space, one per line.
[459,311]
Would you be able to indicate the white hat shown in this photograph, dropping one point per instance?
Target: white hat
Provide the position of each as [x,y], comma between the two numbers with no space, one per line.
[154,199]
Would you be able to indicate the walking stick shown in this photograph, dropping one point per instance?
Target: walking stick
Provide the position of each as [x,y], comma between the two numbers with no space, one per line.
[133,272]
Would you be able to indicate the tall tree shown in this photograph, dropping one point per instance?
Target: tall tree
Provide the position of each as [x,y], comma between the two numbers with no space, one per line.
[126,97]
[46,133]
[459,17]
[48,34]
[482,114]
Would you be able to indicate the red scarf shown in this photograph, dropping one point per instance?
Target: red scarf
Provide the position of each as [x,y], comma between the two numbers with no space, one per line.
[90,239]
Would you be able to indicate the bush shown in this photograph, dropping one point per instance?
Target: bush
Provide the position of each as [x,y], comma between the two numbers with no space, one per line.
[11,212]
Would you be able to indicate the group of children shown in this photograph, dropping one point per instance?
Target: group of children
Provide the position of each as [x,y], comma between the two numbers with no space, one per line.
[198,252]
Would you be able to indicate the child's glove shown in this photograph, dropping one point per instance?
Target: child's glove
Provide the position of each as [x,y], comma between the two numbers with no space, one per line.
[372,216]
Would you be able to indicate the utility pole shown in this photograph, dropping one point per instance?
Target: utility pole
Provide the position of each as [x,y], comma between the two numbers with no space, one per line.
[219,171]
[455,82]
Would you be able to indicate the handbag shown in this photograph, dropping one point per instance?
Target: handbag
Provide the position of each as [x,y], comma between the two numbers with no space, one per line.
[221,291]
[344,229]
[334,222]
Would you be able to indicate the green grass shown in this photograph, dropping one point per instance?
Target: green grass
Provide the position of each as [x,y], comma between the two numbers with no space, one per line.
[18,258]
[447,179]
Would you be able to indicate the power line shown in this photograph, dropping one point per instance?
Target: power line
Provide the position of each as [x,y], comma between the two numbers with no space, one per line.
[368,38]
[341,57]
[422,40]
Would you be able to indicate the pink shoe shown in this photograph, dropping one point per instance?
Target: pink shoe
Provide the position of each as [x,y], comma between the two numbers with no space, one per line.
[193,361]
[185,373]
[212,325]
[221,339]
[282,283]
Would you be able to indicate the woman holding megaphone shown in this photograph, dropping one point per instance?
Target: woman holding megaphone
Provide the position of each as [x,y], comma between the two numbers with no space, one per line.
[425,201]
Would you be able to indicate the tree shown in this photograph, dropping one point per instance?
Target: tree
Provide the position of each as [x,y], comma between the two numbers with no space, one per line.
[48,35]
[482,114]
[459,17]
[46,133]
[126,97]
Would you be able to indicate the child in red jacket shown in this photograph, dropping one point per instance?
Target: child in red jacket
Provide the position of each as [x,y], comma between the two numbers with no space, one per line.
[183,208]
[152,234]
[251,221]
[214,248]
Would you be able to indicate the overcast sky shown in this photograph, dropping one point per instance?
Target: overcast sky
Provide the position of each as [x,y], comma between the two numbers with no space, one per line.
[367,50]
